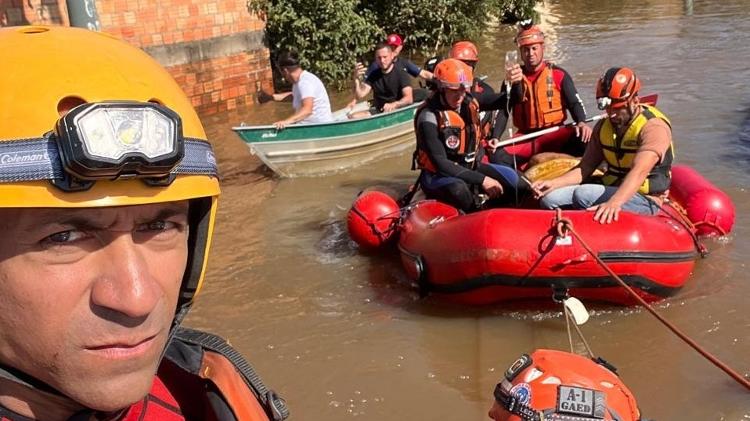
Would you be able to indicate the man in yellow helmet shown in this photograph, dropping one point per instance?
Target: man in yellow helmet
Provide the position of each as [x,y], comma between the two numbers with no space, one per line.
[108,195]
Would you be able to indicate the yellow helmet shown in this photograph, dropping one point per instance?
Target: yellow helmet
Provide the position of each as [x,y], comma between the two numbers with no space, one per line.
[87,120]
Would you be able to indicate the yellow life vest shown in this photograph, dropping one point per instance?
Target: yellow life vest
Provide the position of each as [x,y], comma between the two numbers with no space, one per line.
[542,105]
[620,153]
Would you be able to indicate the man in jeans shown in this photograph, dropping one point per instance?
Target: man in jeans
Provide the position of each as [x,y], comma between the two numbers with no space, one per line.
[636,142]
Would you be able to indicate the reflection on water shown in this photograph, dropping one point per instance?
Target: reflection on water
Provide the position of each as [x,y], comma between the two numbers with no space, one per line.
[342,334]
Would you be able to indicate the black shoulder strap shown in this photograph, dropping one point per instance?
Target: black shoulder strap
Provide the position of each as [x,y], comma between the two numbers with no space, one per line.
[272,403]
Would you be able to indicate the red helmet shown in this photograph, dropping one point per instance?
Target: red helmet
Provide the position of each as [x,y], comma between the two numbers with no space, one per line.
[453,74]
[528,35]
[563,386]
[464,51]
[616,86]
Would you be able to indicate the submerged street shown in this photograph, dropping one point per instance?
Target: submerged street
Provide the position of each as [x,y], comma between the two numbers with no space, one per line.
[341,334]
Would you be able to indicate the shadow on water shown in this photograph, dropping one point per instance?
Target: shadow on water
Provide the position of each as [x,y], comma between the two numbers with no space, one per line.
[741,154]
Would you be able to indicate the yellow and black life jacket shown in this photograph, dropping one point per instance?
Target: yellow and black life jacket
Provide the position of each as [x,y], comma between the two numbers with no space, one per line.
[460,134]
[620,153]
[542,104]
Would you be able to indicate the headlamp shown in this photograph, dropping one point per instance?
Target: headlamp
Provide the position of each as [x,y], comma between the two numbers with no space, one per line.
[603,102]
[109,140]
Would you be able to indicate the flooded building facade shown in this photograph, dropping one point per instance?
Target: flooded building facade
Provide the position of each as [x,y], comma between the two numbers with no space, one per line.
[214,49]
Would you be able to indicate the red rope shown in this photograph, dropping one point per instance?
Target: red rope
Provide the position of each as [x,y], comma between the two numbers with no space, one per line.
[564,225]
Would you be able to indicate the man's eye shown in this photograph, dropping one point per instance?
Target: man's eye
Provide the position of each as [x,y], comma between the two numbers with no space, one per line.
[156,226]
[159,225]
[64,237]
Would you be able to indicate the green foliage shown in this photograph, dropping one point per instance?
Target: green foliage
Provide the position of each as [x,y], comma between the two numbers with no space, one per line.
[331,35]
[514,11]
[429,25]
[328,34]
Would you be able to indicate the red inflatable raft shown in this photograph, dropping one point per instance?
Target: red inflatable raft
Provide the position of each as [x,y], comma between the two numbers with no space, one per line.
[500,255]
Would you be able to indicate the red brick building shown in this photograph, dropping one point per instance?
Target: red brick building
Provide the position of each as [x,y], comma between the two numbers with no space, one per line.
[213,48]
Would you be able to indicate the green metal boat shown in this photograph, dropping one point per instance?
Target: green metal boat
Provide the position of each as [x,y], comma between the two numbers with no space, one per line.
[324,148]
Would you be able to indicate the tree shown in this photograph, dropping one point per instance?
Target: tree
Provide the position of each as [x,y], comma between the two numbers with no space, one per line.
[331,35]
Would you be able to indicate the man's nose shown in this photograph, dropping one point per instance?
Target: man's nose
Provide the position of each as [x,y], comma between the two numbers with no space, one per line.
[124,283]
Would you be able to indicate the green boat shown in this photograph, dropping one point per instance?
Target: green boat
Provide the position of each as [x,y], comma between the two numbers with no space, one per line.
[324,148]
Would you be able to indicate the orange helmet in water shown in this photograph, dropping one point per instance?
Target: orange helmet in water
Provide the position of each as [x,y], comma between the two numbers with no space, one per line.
[560,386]
[465,51]
[453,74]
[616,86]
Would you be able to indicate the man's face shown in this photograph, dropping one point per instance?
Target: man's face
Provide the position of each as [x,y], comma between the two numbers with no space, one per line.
[532,55]
[88,296]
[454,97]
[384,57]
[620,113]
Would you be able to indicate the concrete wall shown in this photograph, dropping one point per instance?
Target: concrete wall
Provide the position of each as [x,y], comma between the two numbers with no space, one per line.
[214,49]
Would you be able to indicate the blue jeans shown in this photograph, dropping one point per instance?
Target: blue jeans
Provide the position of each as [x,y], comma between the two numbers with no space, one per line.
[458,193]
[586,195]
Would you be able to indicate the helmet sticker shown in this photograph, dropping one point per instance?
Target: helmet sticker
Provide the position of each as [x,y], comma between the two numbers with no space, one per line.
[522,392]
[581,401]
[452,142]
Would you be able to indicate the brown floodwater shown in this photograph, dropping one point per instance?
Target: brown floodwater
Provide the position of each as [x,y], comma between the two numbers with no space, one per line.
[342,335]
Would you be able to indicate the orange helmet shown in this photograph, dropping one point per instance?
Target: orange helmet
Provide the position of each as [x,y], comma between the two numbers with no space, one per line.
[528,35]
[453,74]
[465,51]
[616,86]
[559,386]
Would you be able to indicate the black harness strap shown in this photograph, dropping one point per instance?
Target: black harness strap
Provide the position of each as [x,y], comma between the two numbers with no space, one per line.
[274,405]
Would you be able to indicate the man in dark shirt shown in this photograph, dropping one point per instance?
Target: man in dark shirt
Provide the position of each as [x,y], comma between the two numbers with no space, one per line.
[397,44]
[390,84]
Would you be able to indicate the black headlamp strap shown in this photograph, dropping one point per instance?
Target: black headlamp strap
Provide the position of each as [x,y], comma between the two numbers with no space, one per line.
[513,404]
[39,159]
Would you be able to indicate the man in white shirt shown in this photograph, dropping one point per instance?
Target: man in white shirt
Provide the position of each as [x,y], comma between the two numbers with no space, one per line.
[309,96]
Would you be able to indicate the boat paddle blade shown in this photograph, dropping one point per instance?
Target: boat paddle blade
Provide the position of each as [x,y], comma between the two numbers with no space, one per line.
[263,96]
[373,219]
[650,99]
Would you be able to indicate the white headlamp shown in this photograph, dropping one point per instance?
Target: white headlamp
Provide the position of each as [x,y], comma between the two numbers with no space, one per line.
[603,102]
[108,140]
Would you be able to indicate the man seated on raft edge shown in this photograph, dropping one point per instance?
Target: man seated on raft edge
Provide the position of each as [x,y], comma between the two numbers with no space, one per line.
[635,140]
[560,386]
[449,152]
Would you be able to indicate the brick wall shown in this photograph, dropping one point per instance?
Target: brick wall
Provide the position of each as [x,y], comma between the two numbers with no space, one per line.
[214,49]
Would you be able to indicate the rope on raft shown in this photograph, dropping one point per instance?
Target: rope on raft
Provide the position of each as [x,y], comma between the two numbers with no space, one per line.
[564,226]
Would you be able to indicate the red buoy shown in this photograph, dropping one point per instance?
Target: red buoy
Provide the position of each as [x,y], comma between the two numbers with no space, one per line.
[707,207]
[372,219]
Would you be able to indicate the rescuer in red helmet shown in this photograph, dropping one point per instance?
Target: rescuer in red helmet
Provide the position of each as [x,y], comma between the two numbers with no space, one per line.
[449,141]
[636,142]
[546,95]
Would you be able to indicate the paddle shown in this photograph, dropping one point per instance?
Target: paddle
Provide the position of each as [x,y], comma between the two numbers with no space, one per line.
[648,100]
[263,96]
